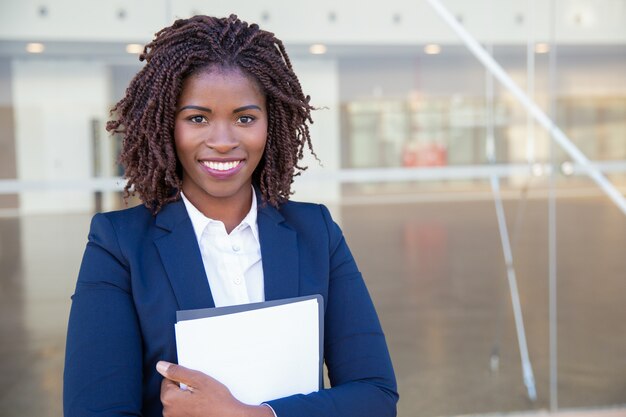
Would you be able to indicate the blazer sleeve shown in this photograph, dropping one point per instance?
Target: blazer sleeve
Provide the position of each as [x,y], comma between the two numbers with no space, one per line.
[355,351]
[103,374]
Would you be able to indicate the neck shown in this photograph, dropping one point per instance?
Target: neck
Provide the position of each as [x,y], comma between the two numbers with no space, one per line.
[229,210]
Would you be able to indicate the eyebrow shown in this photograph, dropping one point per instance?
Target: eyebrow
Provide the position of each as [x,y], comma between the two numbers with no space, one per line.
[204,109]
[208,110]
[248,107]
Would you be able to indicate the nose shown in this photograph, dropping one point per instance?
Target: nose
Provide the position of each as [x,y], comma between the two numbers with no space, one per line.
[221,138]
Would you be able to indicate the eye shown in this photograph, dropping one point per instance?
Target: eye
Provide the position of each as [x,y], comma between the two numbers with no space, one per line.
[197,119]
[244,120]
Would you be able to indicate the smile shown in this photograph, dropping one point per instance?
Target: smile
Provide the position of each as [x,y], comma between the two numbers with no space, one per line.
[221,166]
[222,170]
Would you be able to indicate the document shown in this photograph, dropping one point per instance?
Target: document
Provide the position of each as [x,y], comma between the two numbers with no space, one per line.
[260,351]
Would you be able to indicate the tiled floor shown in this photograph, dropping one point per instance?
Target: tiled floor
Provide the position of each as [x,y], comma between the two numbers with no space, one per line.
[604,412]
[437,276]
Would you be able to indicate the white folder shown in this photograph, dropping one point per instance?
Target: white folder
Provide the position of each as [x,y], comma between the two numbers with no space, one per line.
[260,351]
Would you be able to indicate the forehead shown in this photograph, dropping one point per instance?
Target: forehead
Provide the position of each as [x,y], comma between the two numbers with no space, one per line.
[230,80]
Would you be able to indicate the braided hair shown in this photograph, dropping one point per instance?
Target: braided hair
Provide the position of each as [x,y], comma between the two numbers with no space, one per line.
[145,115]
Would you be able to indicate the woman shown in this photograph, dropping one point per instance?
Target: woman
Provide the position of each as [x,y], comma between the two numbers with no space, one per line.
[213,128]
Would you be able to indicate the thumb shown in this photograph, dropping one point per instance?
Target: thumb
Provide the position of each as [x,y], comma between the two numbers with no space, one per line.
[179,373]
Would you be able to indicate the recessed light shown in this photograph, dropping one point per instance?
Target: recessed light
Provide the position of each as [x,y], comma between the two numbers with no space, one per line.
[134,48]
[542,48]
[318,49]
[567,168]
[432,49]
[35,47]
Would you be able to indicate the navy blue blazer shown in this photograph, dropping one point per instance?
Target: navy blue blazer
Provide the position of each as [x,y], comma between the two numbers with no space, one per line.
[138,269]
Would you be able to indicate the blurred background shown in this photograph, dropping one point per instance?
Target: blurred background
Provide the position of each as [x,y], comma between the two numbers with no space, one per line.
[496,262]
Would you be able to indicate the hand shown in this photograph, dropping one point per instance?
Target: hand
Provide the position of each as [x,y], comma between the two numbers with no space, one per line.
[204,396]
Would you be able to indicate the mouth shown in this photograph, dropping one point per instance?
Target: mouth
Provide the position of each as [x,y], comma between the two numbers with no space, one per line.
[222,169]
[221,166]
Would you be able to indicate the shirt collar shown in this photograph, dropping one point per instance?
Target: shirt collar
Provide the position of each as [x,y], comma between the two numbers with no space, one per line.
[199,221]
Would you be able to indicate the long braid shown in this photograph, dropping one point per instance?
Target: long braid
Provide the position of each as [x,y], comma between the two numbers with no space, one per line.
[145,116]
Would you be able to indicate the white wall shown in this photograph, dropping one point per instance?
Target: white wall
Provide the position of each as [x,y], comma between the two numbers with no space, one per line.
[383,22]
[54,103]
[81,20]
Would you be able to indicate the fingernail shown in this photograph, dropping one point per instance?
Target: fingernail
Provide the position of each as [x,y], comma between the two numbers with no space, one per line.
[162,366]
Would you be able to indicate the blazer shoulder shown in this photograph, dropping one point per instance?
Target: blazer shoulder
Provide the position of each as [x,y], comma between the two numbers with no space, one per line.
[311,217]
[291,206]
[128,214]
[303,211]
[130,221]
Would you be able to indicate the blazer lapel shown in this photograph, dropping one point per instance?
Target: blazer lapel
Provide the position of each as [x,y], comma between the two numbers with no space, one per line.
[180,254]
[279,252]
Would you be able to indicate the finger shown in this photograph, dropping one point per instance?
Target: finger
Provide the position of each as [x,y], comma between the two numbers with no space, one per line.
[179,373]
[171,393]
[168,384]
[165,386]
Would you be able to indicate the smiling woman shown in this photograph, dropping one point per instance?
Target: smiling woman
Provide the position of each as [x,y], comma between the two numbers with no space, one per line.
[213,128]
[220,134]
[145,117]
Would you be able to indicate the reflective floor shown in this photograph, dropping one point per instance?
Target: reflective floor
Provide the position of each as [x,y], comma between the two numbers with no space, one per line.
[437,276]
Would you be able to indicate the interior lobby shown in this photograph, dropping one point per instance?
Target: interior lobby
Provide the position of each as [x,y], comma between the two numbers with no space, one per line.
[477,168]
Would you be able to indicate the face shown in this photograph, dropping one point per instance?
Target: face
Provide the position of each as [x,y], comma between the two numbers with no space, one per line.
[220,133]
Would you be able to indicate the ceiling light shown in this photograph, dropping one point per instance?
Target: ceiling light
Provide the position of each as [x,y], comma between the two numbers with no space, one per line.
[35,48]
[537,169]
[134,48]
[542,48]
[432,49]
[567,168]
[317,49]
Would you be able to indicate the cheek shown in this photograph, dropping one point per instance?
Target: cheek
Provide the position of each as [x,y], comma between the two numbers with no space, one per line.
[181,141]
[260,146]
[262,138]
[255,141]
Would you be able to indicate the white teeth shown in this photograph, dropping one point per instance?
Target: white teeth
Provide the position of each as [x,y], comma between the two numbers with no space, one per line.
[221,166]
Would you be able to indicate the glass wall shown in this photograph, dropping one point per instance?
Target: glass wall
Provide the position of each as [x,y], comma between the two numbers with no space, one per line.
[432,111]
